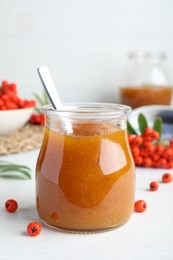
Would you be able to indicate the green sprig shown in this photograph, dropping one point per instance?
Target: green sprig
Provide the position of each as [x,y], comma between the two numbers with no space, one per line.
[9,170]
[42,100]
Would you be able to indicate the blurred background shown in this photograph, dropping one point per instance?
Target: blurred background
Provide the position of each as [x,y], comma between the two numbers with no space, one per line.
[84,43]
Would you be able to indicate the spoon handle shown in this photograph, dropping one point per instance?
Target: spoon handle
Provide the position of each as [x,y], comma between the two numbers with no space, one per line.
[49,86]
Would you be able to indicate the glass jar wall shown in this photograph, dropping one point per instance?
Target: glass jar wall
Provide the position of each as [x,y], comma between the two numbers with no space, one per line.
[85,172]
[146,80]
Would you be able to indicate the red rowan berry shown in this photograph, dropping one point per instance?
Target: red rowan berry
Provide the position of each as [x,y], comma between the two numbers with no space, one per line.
[162,163]
[155,157]
[159,149]
[140,206]
[11,205]
[170,164]
[137,140]
[152,134]
[135,151]
[154,186]
[4,83]
[147,143]
[130,137]
[34,229]
[155,135]
[148,131]
[138,160]
[167,177]
[147,162]
[168,153]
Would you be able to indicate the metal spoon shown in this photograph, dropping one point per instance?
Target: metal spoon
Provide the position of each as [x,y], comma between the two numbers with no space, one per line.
[49,86]
[52,93]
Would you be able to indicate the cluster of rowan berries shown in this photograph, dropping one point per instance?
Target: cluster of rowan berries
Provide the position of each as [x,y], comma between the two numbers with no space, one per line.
[37,119]
[148,151]
[9,98]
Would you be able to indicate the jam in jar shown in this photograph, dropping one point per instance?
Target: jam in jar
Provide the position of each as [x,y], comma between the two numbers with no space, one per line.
[146,80]
[85,175]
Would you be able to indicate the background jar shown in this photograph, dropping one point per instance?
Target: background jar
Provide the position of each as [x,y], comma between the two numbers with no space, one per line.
[85,171]
[146,80]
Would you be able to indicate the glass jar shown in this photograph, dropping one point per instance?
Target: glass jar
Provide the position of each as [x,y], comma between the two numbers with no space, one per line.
[146,80]
[85,172]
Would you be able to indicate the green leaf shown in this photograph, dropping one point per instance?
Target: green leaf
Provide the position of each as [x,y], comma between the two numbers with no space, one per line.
[41,102]
[142,122]
[37,110]
[130,129]
[10,173]
[11,165]
[42,99]
[46,99]
[158,125]
[10,170]
[11,176]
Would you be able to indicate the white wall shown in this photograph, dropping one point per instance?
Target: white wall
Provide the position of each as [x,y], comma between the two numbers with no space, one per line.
[84,43]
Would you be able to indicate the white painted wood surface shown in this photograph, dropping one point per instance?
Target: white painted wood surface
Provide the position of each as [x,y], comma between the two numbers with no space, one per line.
[146,236]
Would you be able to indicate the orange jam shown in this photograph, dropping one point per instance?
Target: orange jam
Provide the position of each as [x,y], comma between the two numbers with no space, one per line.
[85,180]
[146,95]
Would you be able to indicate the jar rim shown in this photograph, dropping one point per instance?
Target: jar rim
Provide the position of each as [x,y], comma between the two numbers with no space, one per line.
[87,110]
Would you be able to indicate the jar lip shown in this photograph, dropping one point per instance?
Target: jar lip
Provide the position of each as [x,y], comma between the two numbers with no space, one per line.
[140,54]
[87,110]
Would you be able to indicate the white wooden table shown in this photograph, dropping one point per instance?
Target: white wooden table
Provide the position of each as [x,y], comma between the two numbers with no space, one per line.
[146,236]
